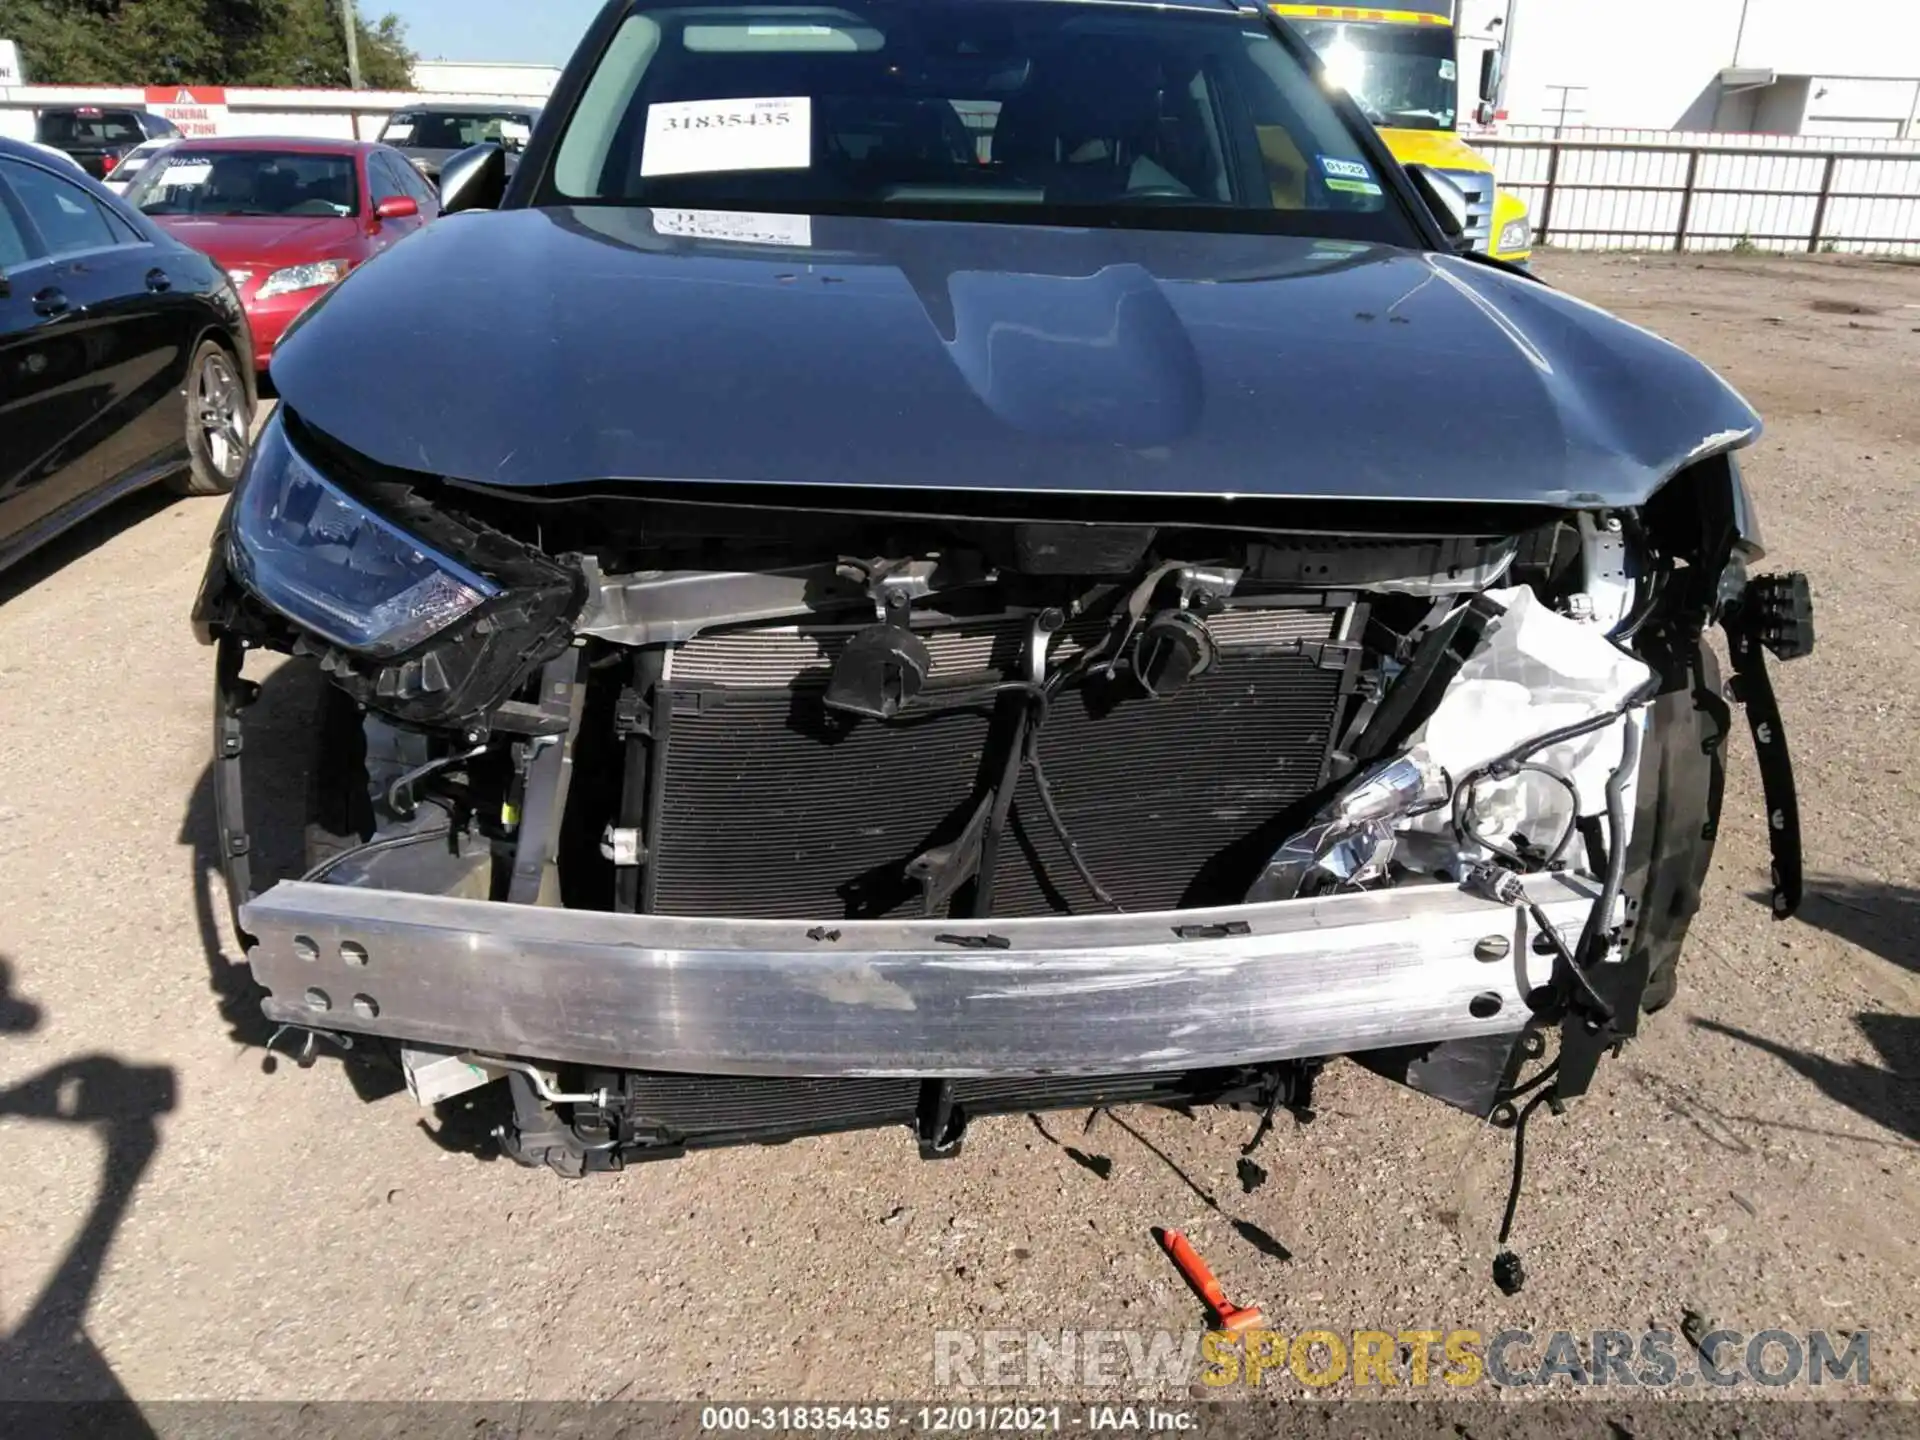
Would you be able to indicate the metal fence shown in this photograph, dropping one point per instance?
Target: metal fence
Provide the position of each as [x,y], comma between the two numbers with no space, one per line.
[1607,194]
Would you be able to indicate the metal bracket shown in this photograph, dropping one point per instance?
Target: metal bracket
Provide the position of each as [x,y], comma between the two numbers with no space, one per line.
[1205,587]
[549,776]
[231,695]
[939,1124]
[1754,690]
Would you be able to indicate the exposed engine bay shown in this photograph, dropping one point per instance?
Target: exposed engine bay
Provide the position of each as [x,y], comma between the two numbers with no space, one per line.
[706,814]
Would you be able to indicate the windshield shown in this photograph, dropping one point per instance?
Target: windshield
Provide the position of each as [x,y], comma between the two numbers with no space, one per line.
[425,130]
[1402,76]
[1035,112]
[246,182]
[102,128]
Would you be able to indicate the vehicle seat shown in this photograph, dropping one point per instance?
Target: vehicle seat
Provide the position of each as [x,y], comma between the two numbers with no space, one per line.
[231,184]
[277,190]
[1089,126]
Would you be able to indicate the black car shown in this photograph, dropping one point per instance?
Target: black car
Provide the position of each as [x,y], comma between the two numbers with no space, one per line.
[949,557]
[430,135]
[98,136]
[124,355]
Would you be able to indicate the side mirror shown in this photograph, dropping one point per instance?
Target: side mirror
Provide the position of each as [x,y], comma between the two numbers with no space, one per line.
[475,179]
[1490,76]
[1445,199]
[514,135]
[396,207]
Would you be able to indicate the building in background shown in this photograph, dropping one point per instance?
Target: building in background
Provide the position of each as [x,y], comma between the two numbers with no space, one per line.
[1844,68]
[504,78]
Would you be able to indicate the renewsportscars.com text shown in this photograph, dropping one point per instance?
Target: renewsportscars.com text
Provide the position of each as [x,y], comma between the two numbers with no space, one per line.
[1315,1359]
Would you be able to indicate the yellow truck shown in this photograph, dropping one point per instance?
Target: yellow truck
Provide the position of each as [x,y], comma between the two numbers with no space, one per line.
[1403,69]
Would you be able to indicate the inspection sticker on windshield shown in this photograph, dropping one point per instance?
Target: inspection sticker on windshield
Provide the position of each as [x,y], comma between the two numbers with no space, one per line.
[1449,71]
[1351,177]
[693,137]
[745,227]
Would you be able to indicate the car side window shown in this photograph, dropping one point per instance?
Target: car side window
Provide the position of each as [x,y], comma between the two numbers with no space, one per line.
[67,217]
[416,184]
[13,241]
[123,233]
[386,184]
[17,247]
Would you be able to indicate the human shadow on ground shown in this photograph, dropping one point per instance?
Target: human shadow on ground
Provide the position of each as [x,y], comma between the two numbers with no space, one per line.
[1883,920]
[1879,918]
[1887,1094]
[48,1356]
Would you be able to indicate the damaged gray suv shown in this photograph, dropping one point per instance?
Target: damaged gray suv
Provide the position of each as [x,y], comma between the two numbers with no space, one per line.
[934,559]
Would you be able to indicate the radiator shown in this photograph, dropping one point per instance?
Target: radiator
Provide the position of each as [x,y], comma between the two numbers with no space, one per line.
[766,804]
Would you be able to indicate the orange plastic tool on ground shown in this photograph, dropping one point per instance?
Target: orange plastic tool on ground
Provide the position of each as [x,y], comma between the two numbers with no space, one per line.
[1187,1260]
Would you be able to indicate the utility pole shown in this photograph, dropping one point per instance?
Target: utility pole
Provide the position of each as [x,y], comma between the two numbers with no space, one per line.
[1566,105]
[351,19]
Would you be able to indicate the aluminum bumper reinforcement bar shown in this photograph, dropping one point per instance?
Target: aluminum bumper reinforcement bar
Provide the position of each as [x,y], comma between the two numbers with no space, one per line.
[931,998]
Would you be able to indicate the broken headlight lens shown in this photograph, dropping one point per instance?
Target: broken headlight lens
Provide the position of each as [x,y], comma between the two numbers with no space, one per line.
[317,555]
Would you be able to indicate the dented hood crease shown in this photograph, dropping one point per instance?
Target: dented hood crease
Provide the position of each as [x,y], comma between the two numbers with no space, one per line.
[547,347]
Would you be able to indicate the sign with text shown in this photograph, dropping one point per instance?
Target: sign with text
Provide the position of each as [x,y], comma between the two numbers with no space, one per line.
[198,110]
[11,70]
[693,137]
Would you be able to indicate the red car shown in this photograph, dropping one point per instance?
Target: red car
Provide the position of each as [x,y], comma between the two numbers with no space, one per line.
[286,218]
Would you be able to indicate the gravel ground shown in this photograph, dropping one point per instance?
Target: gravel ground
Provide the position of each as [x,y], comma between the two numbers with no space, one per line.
[181,1217]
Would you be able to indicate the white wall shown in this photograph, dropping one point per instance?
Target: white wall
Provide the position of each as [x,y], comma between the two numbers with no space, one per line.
[331,114]
[1655,63]
[440,77]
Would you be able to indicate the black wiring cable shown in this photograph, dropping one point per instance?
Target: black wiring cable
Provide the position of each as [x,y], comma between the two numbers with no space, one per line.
[1649,601]
[1000,804]
[1551,1069]
[375,847]
[1590,938]
[1580,976]
[932,701]
[1546,1096]
[1043,694]
[1464,808]
[1640,695]
[1074,856]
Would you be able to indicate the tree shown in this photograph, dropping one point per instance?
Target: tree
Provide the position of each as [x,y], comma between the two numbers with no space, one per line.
[202,42]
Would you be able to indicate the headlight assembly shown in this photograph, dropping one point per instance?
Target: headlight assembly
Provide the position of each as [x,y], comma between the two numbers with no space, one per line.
[312,552]
[313,276]
[1515,235]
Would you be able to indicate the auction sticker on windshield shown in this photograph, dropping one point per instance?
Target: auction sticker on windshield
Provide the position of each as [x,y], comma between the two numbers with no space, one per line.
[189,172]
[691,137]
[1353,177]
[737,225]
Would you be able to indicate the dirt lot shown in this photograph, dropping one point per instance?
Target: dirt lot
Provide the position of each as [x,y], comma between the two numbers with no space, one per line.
[181,1217]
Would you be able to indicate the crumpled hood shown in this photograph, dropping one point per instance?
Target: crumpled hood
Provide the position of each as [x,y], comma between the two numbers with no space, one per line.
[263,239]
[544,347]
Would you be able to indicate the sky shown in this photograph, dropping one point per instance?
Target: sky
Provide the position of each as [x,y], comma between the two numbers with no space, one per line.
[530,31]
